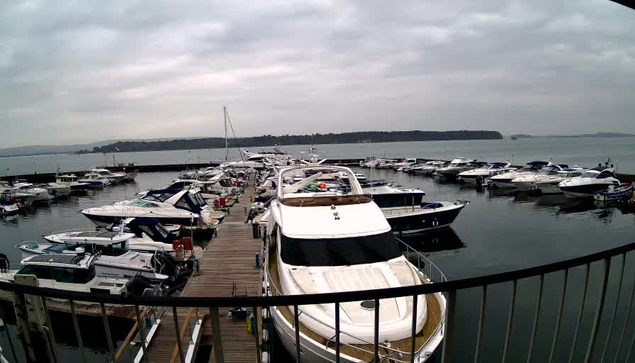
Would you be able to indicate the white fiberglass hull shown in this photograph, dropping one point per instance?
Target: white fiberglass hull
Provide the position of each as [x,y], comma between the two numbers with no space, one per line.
[314,352]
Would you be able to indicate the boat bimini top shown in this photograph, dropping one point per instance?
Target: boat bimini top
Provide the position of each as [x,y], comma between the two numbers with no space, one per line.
[323,185]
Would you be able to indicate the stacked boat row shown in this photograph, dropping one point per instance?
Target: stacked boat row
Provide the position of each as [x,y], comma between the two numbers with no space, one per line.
[17,196]
[140,246]
[540,177]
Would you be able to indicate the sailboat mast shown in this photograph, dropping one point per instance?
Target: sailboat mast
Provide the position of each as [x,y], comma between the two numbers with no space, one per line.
[226,144]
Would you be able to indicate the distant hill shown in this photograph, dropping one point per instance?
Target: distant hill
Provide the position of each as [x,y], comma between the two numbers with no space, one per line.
[50,149]
[268,140]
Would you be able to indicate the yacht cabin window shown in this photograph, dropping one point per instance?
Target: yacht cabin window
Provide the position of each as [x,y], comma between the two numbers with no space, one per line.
[59,274]
[339,251]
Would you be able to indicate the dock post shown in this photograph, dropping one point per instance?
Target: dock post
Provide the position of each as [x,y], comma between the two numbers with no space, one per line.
[33,325]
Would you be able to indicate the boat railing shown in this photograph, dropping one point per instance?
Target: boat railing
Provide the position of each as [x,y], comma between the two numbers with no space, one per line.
[588,300]
[276,291]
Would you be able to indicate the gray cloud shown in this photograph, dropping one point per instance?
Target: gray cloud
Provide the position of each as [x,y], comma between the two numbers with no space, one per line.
[81,71]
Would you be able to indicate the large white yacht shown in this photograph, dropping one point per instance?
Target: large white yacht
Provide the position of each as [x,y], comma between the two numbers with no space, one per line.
[323,240]
[589,183]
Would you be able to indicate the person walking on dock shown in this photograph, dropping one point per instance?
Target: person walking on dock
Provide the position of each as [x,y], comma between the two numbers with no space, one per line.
[4,263]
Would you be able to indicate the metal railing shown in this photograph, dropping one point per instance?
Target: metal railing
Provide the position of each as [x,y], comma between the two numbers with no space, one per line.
[617,331]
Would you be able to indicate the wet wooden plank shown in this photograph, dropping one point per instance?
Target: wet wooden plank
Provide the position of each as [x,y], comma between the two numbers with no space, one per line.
[229,258]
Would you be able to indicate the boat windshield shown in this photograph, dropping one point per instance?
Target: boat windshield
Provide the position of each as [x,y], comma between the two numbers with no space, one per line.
[339,251]
[144,204]
[590,174]
[59,274]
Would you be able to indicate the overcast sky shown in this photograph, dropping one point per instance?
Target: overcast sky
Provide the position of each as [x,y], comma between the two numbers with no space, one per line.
[80,71]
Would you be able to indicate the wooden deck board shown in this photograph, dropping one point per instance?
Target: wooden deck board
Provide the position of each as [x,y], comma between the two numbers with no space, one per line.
[230,258]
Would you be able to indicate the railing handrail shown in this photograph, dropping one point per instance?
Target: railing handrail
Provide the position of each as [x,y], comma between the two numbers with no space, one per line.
[266,301]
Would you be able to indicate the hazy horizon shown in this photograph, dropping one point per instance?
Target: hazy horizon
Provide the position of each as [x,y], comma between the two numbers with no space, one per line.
[78,73]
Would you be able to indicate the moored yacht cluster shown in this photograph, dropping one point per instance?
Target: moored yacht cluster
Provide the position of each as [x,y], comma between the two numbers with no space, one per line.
[18,195]
[539,177]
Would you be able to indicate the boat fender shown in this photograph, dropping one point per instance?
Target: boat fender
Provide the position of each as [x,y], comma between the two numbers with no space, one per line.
[264,358]
[265,335]
[265,314]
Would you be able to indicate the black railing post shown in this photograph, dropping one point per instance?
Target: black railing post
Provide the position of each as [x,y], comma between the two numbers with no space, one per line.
[296,322]
[177,333]
[376,342]
[615,308]
[598,311]
[413,333]
[481,326]
[104,316]
[626,319]
[510,321]
[257,334]
[534,329]
[448,336]
[78,333]
[552,355]
[337,332]
[142,333]
[581,314]
[216,334]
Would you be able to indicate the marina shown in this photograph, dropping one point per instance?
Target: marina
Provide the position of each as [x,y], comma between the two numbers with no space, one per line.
[232,261]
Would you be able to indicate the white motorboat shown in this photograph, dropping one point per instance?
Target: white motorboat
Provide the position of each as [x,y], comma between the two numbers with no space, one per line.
[105,173]
[480,175]
[399,166]
[320,241]
[58,190]
[71,180]
[504,180]
[455,167]
[113,260]
[428,168]
[40,195]
[547,179]
[140,234]
[589,183]
[369,163]
[68,272]
[95,180]
[187,208]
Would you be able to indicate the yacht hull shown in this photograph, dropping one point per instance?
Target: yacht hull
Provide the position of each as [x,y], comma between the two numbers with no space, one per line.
[422,219]
[582,191]
[314,352]
[104,221]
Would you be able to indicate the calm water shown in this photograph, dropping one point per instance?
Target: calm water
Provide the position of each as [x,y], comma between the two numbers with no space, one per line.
[494,233]
[582,151]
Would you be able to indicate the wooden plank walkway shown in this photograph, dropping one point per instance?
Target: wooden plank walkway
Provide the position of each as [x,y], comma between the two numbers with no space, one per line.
[230,258]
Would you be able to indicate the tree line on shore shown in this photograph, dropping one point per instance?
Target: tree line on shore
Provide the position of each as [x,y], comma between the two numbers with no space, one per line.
[270,140]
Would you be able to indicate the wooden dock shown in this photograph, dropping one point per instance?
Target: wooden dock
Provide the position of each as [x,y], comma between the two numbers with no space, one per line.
[229,259]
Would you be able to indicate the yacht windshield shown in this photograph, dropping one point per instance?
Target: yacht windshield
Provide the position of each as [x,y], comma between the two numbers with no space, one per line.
[339,251]
[144,204]
[590,174]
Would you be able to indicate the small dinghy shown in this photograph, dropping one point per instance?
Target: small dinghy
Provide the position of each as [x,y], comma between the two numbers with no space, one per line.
[615,193]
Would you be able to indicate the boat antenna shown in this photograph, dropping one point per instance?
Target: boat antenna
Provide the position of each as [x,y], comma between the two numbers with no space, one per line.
[225,125]
[231,126]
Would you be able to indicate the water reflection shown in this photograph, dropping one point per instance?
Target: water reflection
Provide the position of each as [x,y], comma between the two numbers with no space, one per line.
[443,239]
